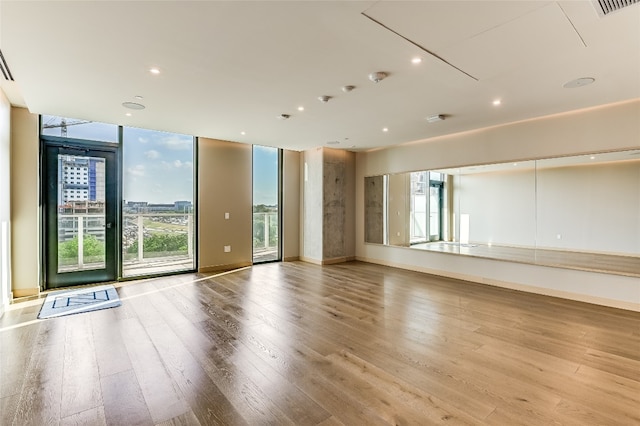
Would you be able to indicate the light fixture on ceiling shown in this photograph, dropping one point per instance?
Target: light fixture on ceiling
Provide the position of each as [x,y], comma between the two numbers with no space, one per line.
[284,116]
[154,70]
[133,105]
[324,99]
[138,97]
[578,82]
[385,129]
[128,114]
[497,102]
[300,108]
[347,89]
[416,60]
[377,77]
[435,118]
[243,133]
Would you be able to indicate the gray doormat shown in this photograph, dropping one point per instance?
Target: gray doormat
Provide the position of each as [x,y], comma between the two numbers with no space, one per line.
[86,299]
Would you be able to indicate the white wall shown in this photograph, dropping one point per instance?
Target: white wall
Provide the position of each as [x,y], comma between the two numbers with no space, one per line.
[312,205]
[592,208]
[5,201]
[606,128]
[501,207]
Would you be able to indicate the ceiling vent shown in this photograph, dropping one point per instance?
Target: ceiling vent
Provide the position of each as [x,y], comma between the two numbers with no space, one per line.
[605,7]
[5,68]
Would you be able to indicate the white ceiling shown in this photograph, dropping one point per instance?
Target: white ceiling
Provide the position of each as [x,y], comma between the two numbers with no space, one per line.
[232,67]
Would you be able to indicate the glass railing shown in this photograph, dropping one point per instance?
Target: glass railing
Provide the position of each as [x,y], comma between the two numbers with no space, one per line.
[151,243]
[157,242]
[265,237]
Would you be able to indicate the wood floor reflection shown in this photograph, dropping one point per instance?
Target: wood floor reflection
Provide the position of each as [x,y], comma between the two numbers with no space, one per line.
[594,262]
[300,344]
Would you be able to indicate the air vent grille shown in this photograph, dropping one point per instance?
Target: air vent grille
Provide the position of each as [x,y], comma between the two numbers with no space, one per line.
[605,7]
[5,68]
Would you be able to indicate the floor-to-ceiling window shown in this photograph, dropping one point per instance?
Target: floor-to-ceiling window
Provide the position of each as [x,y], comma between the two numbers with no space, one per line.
[119,201]
[158,223]
[266,204]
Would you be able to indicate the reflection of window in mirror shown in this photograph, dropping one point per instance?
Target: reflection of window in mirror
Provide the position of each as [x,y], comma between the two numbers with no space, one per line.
[428,220]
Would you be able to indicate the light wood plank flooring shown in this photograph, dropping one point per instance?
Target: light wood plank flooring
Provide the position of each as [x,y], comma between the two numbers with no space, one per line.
[300,344]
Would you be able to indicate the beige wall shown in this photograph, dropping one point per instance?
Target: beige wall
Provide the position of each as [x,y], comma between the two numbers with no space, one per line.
[224,186]
[5,201]
[25,225]
[398,211]
[607,128]
[291,205]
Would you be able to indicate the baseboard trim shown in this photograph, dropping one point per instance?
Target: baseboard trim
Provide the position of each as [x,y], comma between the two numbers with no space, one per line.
[227,267]
[291,259]
[310,260]
[332,261]
[24,292]
[602,301]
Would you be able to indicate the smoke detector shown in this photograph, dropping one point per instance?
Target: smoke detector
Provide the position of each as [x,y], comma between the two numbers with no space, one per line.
[377,77]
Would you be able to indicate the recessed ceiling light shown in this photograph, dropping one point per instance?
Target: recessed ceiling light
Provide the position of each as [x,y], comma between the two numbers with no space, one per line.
[138,97]
[243,133]
[133,105]
[416,60]
[154,70]
[593,157]
[515,164]
[578,82]
[300,108]
[128,114]
[324,99]
[385,129]
[283,116]
[347,89]
[497,102]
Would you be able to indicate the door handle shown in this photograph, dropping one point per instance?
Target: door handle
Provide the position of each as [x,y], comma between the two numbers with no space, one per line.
[109,225]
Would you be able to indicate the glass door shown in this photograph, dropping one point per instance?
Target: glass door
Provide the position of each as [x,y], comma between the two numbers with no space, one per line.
[80,195]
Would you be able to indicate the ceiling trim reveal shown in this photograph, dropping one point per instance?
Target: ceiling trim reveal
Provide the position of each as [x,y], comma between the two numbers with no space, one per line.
[417,45]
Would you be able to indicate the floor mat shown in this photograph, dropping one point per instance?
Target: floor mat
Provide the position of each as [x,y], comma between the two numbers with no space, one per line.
[86,299]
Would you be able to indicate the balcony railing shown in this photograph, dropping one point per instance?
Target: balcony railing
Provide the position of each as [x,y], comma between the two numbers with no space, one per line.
[151,242]
[265,236]
[157,242]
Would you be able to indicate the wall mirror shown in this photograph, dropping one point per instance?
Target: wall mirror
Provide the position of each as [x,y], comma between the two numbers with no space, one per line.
[578,212]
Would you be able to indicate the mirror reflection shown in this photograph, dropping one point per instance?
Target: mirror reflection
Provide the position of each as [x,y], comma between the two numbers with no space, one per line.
[580,212]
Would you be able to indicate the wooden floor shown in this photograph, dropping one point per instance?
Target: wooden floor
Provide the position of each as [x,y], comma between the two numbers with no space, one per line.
[300,344]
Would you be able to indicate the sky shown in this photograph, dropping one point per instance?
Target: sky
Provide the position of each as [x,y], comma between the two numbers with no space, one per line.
[265,175]
[158,166]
